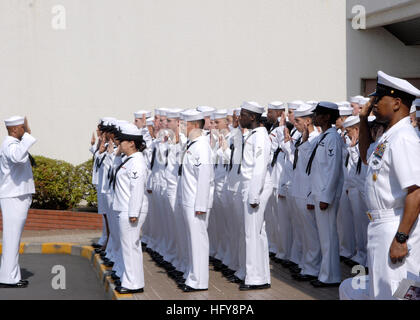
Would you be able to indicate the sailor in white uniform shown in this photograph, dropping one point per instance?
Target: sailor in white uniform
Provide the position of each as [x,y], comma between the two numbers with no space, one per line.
[392,192]
[257,188]
[16,189]
[130,202]
[197,187]
[325,171]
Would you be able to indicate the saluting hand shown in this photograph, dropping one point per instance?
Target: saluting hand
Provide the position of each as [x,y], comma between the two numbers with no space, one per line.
[102,145]
[110,146]
[366,109]
[282,119]
[26,126]
[305,133]
[93,140]
[287,135]
[353,141]
[398,251]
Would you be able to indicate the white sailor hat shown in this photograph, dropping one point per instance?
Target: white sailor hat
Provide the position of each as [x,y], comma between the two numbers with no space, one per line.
[345,110]
[356,99]
[192,115]
[343,104]
[129,131]
[276,105]
[230,112]
[119,123]
[140,113]
[207,111]
[364,100]
[150,122]
[252,106]
[294,104]
[237,111]
[219,114]
[304,110]
[351,121]
[371,118]
[312,103]
[174,113]
[264,114]
[14,121]
[394,87]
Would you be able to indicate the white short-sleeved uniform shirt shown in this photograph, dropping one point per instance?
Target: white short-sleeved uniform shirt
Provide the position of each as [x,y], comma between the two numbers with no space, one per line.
[393,166]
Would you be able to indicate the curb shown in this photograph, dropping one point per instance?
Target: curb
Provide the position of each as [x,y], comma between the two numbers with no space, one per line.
[74,249]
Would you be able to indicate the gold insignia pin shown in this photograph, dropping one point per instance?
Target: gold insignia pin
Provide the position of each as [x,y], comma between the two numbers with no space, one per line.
[369,216]
[374,177]
[392,91]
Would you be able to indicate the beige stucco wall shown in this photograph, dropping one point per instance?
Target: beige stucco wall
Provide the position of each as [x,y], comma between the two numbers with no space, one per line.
[117,56]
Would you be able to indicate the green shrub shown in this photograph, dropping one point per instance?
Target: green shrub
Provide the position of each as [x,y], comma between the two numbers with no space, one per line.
[83,183]
[60,185]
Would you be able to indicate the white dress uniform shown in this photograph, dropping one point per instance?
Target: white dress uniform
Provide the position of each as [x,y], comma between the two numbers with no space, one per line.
[393,166]
[234,197]
[197,187]
[326,186]
[16,189]
[130,200]
[257,188]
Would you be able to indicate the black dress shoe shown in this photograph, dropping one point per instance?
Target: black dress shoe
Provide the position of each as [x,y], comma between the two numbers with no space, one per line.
[117,283]
[234,279]
[287,263]
[343,258]
[96,245]
[115,277]
[221,267]
[303,277]
[109,263]
[227,272]
[295,269]
[320,284]
[271,254]
[245,287]
[123,290]
[186,288]
[20,284]
[350,263]
[98,250]
[102,253]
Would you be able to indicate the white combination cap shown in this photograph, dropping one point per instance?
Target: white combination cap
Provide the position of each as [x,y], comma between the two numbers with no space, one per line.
[140,113]
[394,87]
[276,105]
[219,114]
[14,121]
[192,115]
[294,104]
[252,106]
[174,113]
[351,121]
[207,111]
[304,110]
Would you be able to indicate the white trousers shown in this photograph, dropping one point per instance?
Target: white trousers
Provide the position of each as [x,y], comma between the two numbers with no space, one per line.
[221,224]
[236,235]
[133,276]
[14,213]
[271,222]
[114,232]
[361,222]
[284,237]
[171,249]
[326,221]
[345,227]
[181,263]
[296,251]
[198,248]
[311,260]
[229,226]
[257,263]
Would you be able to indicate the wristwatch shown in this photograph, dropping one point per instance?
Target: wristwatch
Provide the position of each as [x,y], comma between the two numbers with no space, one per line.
[401,237]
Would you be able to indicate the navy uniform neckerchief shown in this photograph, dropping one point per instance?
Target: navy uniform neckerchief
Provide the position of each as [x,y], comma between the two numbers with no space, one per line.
[118,169]
[243,146]
[182,160]
[311,159]
[296,154]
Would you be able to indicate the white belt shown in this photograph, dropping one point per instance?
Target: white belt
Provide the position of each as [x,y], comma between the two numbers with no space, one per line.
[380,214]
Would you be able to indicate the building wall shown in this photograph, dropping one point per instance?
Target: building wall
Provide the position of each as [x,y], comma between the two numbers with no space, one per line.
[119,56]
[376,49]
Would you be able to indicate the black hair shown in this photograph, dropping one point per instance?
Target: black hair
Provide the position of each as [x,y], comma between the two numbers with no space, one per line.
[289,126]
[334,114]
[201,123]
